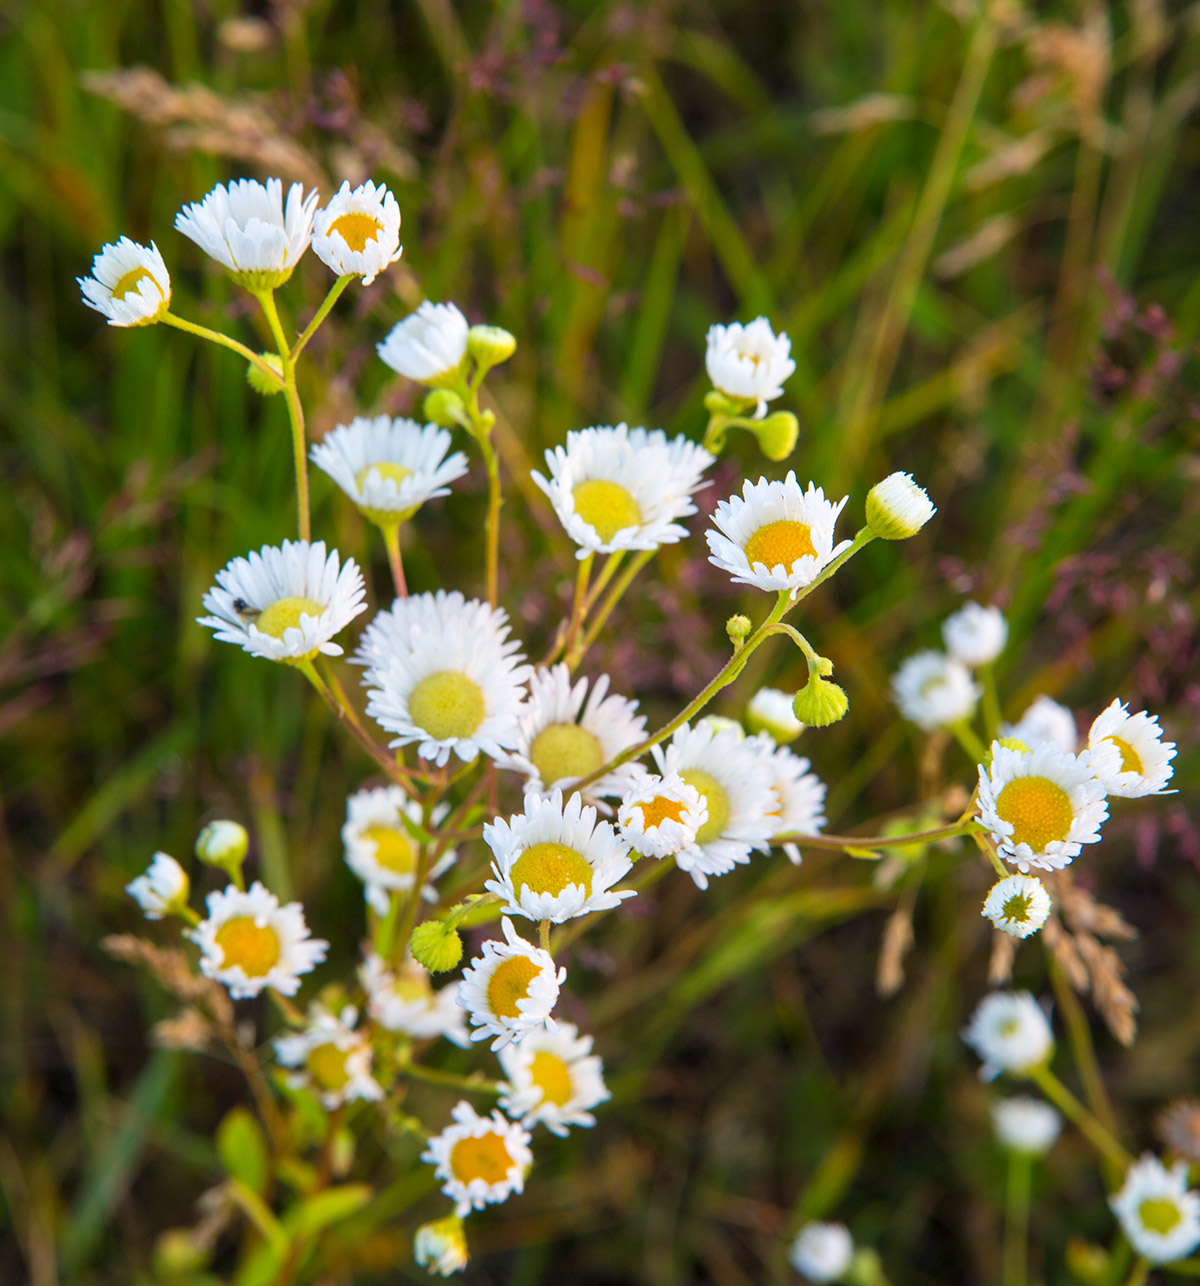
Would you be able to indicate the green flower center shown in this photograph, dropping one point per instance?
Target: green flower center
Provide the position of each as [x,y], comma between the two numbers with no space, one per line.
[550,868]
[1016,908]
[713,796]
[327,1066]
[606,506]
[1159,1214]
[1038,809]
[565,750]
[447,704]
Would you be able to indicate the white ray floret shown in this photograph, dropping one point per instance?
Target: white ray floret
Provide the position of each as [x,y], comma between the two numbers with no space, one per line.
[822,1251]
[799,807]
[392,631]
[934,690]
[1044,720]
[617,488]
[161,889]
[382,850]
[975,635]
[1018,905]
[480,1160]
[1010,1033]
[769,710]
[775,535]
[129,284]
[1041,806]
[285,603]
[358,232]
[1158,1212]
[553,1079]
[1026,1125]
[897,508]
[661,816]
[389,467]
[555,861]
[248,942]
[440,1246]
[404,1001]
[749,362]
[429,346]
[331,1058]
[245,227]
[1129,754]
[511,989]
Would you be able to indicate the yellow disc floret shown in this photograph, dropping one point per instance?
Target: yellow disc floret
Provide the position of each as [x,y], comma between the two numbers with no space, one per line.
[509,983]
[565,750]
[550,868]
[661,809]
[1131,761]
[715,799]
[1038,809]
[552,1076]
[485,1157]
[606,506]
[447,704]
[255,947]
[779,544]
[394,850]
[385,469]
[356,229]
[284,613]
[327,1066]
[130,282]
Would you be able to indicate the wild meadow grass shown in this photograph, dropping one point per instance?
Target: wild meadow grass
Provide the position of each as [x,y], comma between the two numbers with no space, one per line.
[978,230]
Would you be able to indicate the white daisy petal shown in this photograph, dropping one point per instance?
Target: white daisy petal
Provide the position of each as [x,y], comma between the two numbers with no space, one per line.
[1010,1033]
[429,346]
[358,232]
[161,889]
[129,284]
[799,795]
[749,362]
[934,690]
[553,1078]
[441,1246]
[403,1000]
[1158,1212]
[1045,720]
[975,635]
[661,816]
[510,989]
[480,1160]
[1018,905]
[382,851]
[770,711]
[331,1058]
[1129,754]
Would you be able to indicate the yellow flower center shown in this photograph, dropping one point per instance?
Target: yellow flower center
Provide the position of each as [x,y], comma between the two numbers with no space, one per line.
[713,796]
[385,469]
[447,704]
[1039,810]
[1159,1214]
[129,282]
[254,947]
[284,613]
[550,868]
[1131,761]
[327,1066]
[485,1157]
[509,983]
[660,809]
[1016,908]
[394,850]
[356,229]
[552,1076]
[565,750]
[780,544]
[606,506]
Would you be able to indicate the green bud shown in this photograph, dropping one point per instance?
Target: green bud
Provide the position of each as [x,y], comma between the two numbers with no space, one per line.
[262,383]
[435,946]
[445,407]
[177,1256]
[223,844]
[820,703]
[738,628]
[717,403]
[1014,743]
[1086,1261]
[777,434]
[865,1269]
[490,345]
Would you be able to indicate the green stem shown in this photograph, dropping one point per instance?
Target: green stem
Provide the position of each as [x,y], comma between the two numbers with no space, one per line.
[578,607]
[215,337]
[876,841]
[988,848]
[385,931]
[611,564]
[615,594]
[434,1076]
[319,316]
[1016,1218]
[1141,1270]
[991,702]
[492,464]
[1091,1128]
[391,538]
[291,394]
[544,936]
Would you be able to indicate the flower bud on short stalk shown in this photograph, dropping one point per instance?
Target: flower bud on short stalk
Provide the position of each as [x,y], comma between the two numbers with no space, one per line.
[259,381]
[738,628]
[436,946]
[223,844]
[490,345]
[820,703]
[897,508]
[776,434]
[445,407]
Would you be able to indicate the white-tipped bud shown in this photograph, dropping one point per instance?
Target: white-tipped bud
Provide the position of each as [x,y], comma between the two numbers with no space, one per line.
[441,1247]
[897,508]
[223,844]
[1026,1125]
[490,345]
[162,890]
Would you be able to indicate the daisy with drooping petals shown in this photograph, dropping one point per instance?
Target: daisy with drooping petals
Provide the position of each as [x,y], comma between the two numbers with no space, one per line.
[774,535]
[934,690]
[382,850]
[799,795]
[822,1251]
[285,604]
[1026,1125]
[555,861]
[331,1058]
[358,232]
[770,711]
[1129,754]
[441,1246]
[129,284]
[553,1078]
[975,635]
[749,362]
[1045,720]
[567,733]
[661,816]
[737,788]
[480,1160]
[1018,905]
[249,942]
[1010,1033]
[1158,1212]
[510,989]
[162,889]
[244,227]
[402,1000]
[1040,805]
[621,488]
[429,346]
[389,467]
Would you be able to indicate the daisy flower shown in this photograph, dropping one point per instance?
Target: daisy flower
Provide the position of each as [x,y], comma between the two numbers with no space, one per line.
[162,890]
[1018,905]
[775,535]
[1045,720]
[480,1160]
[1026,1125]
[897,508]
[249,942]
[1141,764]
[799,795]
[389,467]
[441,1246]
[822,1251]
[429,346]
[553,1078]
[749,363]
[567,732]
[358,232]
[934,690]
[453,685]
[736,784]
[621,488]
[555,861]
[129,284]
[1158,1212]
[403,1000]
[244,227]
[1010,1033]
[331,1058]
[1041,806]
[975,635]
[770,711]
[510,989]
[661,816]
[285,604]
[382,851]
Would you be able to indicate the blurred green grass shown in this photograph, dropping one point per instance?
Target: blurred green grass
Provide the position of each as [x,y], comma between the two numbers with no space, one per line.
[606,181]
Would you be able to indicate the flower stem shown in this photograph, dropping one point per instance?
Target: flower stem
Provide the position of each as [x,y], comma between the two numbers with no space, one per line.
[948,831]
[1016,1218]
[319,316]
[291,394]
[215,337]
[1091,1128]
[627,577]
[391,538]
[435,1076]
[1141,1270]
[544,936]
[577,609]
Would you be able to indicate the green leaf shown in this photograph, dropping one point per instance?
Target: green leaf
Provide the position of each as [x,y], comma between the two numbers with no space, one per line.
[243,1150]
[327,1208]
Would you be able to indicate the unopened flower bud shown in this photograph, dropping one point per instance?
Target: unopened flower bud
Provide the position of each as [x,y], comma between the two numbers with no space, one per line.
[445,407]
[777,434]
[435,946]
[770,711]
[262,383]
[1014,743]
[490,345]
[820,703]
[897,508]
[738,628]
[178,1254]
[162,890]
[223,844]
[441,1246]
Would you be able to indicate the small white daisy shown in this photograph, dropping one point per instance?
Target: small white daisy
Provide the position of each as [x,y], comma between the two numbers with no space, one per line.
[1141,764]
[389,467]
[510,989]
[129,284]
[934,690]
[822,1251]
[244,227]
[249,942]
[737,786]
[555,861]
[799,795]
[358,232]
[775,535]
[1010,1033]
[770,711]
[622,488]
[441,1246]
[1158,1212]
[285,604]
[897,508]
[749,362]
[403,1000]
[1045,720]
[567,732]
[381,850]
[1026,1125]
[331,1058]
[1018,905]
[448,679]
[162,889]
[1041,806]
[553,1078]
[480,1160]
[661,816]
[429,346]
[975,635]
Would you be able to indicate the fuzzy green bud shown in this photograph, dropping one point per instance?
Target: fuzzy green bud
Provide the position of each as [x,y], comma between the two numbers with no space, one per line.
[445,407]
[777,434]
[897,508]
[820,703]
[1086,1261]
[258,379]
[223,844]
[490,345]
[1014,743]
[435,946]
[738,628]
